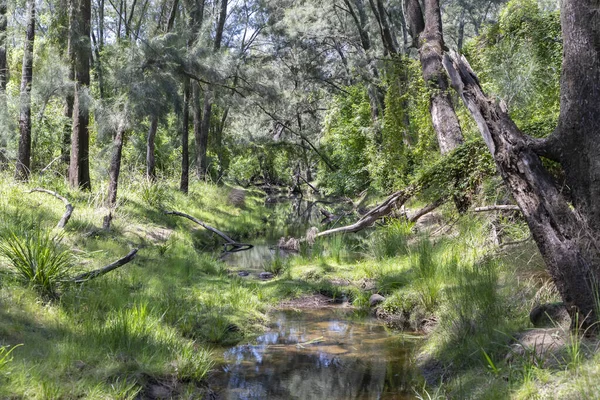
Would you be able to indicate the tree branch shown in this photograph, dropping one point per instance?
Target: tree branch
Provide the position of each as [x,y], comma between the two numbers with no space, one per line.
[68,206]
[235,246]
[497,207]
[87,276]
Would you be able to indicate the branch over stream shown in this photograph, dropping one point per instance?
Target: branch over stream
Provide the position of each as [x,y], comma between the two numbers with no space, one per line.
[235,246]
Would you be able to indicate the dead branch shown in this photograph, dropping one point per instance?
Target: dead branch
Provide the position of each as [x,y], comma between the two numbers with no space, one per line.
[426,210]
[497,207]
[87,276]
[235,246]
[385,208]
[68,206]
[513,243]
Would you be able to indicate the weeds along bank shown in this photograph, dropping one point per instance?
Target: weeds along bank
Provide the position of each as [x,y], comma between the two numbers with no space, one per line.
[154,326]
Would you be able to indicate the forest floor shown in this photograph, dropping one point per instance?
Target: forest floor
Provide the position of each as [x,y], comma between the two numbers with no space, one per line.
[149,329]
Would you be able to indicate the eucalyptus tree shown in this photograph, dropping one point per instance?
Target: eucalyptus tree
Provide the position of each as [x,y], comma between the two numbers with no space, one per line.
[3,80]
[564,225]
[23,168]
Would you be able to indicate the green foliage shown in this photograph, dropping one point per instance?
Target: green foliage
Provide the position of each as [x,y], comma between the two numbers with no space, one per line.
[5,356]
[278,265]
[390,240]
[347,132]
[36,258]
[519,58]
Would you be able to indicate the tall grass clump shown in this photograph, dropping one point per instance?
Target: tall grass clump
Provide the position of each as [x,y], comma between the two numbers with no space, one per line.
[391,240]
[36,258]
[278,265]
[427,270]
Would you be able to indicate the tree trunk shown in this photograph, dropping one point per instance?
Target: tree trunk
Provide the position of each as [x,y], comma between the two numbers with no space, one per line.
[3,81]
[150,149]
[185,156]
[24,157]
[197,127]
[431,50]
[65,150]
[3,68]
[202,142]
[201,159]
[79,168]
[115,167]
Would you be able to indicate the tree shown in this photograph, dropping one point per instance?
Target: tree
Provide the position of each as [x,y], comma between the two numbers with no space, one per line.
[24,157]
[3,79]
[427,32]
[79,167]
[565,226]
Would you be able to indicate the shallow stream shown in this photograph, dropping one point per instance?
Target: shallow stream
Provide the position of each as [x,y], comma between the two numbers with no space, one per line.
[319,354]
[327,353]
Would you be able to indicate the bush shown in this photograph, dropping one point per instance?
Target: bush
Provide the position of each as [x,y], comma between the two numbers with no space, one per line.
[36,258]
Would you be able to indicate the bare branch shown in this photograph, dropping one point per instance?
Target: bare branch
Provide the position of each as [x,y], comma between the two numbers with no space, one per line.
[68,206]
[235,246]
[87,276]
[497,207]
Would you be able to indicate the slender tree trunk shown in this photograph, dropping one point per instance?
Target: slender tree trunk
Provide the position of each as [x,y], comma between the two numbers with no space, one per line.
[172,15]
[185,122]
[3,65]
[150,146]
[24,157]
[65,150]
[461,30]
[113,174]
[565,230]
[208,98]
[3,81]
[197,117]
[79,168]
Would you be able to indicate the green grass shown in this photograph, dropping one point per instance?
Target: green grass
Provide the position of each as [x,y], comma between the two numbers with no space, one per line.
[165,316]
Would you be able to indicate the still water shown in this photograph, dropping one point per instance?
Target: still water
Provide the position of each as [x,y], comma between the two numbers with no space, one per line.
[319,354]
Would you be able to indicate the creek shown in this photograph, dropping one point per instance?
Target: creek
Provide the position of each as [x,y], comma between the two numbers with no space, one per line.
[325,353]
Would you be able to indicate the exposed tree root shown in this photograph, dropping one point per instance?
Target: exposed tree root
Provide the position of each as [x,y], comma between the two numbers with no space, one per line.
[68,206]
[87,276]
[231,246]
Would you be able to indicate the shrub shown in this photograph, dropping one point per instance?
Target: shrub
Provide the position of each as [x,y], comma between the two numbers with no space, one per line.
[36,258]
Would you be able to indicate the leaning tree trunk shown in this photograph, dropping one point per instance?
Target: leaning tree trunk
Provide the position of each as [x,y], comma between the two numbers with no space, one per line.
[24,157]
[79,167]
[565,229]
[150,147]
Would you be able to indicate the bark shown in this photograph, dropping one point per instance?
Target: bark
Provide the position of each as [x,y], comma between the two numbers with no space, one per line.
[431,50]
[414,17]
[23,168]
[87,276]
[197,127]
[425,210]
[388,38]
[185,131]
[565,240]
[499,207]
[79,167]
[150,149]
[68,206]
[578,130]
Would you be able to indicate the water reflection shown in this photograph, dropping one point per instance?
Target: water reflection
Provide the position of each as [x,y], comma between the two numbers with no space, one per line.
[318,354]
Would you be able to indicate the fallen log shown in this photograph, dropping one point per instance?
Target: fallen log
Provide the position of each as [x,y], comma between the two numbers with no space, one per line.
[68,206]
[235,246]
[87,276]
[389,204]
